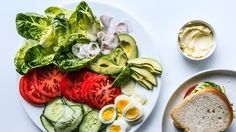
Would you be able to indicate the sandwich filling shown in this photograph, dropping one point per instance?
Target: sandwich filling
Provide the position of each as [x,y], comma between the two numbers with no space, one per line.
[203,85]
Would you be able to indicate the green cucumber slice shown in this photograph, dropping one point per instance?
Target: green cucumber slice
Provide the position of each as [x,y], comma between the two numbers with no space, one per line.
[66,123]
[54,110]
[47,124]
[91,122]
[86,109]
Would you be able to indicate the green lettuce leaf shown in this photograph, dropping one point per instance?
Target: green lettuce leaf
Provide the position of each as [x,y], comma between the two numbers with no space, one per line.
[203,85]
[19,61]
[84,25]
[53,11]
[31,25]
[48,37]
[68,62]
[39,56]
[61,29]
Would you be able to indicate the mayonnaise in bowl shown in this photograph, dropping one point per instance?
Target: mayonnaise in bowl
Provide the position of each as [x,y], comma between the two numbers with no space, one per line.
[196,40]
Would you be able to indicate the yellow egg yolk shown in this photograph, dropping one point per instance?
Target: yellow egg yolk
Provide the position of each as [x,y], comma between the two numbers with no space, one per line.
[108,114]
[115,128]
[121,105]
[119,115]
[132,113]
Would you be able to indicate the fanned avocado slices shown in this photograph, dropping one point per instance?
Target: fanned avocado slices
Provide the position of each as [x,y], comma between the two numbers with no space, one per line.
[147,63]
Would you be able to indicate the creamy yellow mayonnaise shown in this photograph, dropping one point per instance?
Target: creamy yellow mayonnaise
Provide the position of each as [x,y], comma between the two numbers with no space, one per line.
[196,39]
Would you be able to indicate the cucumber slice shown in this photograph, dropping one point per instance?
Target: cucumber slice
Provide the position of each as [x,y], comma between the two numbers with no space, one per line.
[47,124]
[91,122]
[79,113]
[70,103]
[66,123]
[86,109]
[54,110]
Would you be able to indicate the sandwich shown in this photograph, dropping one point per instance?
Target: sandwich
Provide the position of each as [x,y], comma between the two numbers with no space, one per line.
[205,108]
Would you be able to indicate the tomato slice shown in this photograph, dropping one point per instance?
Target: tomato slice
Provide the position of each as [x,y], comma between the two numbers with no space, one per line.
[47,81]
[22,91]
[85,86]
[89,87]
[100,91]
[71,84]
[29,92]
[189,91]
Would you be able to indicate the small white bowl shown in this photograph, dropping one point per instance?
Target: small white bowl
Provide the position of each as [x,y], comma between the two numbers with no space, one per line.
[213,35]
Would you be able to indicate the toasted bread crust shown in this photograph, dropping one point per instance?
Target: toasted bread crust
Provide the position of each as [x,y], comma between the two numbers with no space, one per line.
[210,90]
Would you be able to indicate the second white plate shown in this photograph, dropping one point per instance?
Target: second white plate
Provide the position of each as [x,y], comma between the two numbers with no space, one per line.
[226,78]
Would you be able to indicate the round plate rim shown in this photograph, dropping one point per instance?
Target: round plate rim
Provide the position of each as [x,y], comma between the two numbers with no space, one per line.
[207,71]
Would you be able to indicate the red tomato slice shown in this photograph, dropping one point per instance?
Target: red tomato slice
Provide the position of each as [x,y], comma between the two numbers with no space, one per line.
[71,84]
[29,92]
[85,89]
[22,92]
[189,91]
[47,81]
[100,91]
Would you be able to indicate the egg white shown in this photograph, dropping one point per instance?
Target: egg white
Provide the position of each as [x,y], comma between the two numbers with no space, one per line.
[103,109]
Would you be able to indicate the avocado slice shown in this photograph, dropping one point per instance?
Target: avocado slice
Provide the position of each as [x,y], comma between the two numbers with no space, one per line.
[147,63]
[128,44]
[142,81]
[118,56]
[105,66]
[123,77]
[145,74]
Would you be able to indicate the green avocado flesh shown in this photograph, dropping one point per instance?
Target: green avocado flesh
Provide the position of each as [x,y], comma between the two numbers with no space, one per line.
[105,66]
[145,74]
[147,63]
[129,46]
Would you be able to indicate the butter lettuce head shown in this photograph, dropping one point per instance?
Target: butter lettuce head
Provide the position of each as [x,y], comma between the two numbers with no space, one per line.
[59,29]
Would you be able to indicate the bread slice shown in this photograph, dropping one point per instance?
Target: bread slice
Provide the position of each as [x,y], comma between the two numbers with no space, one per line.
[208,110]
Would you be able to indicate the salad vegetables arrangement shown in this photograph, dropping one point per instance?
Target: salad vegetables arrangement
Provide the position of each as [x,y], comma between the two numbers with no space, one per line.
[81,68]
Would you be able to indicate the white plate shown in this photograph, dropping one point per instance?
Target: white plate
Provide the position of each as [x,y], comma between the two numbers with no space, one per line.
[226,78]
[146,48]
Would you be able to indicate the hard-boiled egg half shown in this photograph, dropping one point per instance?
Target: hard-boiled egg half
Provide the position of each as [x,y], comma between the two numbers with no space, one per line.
[107,114]
[133,113]
[121,102]
[119,125]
